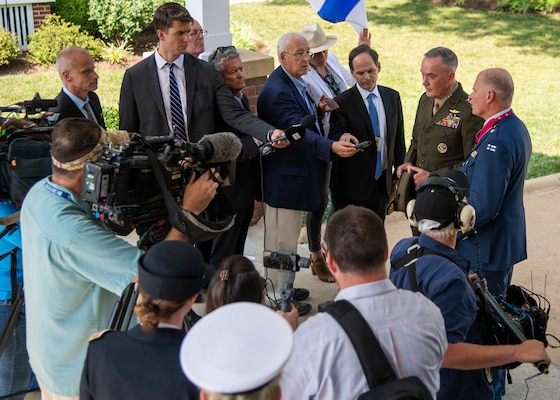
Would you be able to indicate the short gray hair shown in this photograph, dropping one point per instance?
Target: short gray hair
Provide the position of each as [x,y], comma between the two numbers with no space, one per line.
[285,38]
[448,57]
[429,228]
[217,57]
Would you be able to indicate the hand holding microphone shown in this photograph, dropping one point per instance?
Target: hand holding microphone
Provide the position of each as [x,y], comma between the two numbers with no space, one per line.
[292,134]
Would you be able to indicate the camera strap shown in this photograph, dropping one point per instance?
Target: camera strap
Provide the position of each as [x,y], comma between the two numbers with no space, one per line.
[195,227]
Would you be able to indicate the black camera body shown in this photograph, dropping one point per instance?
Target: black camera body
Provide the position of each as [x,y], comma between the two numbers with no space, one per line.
[122,185]
[285,260]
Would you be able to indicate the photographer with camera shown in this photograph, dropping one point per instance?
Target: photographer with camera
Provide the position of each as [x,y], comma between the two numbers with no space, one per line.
[440,273]
[77,97]
[75,270]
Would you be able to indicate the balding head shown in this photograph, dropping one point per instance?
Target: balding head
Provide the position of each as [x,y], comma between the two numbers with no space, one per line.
[492,92]
[501,82]
[77,71]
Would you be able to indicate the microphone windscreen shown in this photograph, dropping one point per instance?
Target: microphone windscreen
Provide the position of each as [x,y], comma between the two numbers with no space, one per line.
[308,121]
[226,146]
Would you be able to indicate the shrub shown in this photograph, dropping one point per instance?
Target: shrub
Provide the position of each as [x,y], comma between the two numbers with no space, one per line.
[122,20]
[76,12]
[524,6]
[111,117]
[116,53]
[245,37]
[56,34]
[9,48]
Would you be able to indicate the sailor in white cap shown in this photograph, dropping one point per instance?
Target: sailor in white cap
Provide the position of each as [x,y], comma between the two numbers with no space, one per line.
[245,361]
[143,363]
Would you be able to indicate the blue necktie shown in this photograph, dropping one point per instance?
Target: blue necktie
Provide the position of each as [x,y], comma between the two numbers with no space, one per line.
[177,120]
[375,123]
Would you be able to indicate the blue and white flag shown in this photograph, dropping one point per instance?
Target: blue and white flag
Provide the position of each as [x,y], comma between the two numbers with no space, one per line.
[352,11]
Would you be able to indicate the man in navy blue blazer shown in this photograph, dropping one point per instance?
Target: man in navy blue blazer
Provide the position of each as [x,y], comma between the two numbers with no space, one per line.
[293,178]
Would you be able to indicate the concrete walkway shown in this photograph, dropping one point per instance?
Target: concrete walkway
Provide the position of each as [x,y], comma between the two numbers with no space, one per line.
[540,273]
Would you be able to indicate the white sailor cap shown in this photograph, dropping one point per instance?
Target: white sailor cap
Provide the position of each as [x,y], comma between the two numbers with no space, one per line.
[237,348]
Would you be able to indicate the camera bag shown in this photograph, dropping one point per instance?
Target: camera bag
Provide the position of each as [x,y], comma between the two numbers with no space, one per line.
[24,160]
[381,378]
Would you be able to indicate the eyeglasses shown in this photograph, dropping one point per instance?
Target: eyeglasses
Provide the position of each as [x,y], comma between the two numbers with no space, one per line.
[200,33]
[223,49]
[300,54]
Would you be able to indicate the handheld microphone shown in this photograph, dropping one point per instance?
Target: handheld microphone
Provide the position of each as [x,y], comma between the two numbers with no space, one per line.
[293,134]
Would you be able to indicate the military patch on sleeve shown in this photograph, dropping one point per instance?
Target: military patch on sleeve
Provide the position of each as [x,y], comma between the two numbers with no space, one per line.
[99,334]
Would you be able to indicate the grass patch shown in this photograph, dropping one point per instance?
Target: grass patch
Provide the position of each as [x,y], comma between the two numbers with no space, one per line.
[402,31]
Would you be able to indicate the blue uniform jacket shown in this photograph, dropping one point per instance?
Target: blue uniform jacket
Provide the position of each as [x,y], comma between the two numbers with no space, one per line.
[496,170]
[443,280]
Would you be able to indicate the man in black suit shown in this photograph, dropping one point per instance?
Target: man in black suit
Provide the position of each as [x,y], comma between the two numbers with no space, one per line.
[367,178]
[145,100]
[79,80]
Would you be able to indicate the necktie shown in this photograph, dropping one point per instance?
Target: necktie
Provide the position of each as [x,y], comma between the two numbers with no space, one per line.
[89,114]
[177,120]
[436,106]
[375,123]
[489,125]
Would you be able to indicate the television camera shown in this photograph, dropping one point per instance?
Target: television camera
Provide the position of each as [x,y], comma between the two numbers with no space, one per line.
[139,184]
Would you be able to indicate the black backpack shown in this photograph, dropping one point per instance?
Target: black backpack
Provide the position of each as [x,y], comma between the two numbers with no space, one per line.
[381,378]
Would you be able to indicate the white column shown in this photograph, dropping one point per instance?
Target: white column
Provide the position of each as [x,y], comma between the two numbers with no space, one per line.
[213,16]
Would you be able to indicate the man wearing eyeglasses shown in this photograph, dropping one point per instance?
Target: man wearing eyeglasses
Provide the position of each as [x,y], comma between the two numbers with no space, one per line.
[195,44]
[173,93]
[77,97]
[294,178]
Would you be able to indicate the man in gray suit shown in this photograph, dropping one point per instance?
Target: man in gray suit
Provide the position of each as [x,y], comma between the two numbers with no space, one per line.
[146,94]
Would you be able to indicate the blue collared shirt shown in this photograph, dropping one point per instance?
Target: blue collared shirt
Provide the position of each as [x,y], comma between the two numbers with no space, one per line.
[75,270]
[80,103]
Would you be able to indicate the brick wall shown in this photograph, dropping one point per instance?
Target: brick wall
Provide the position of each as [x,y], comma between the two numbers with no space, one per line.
[40,11]
[252,89]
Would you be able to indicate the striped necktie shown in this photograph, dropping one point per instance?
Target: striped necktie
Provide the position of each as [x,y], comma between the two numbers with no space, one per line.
[177,119]
[375,123]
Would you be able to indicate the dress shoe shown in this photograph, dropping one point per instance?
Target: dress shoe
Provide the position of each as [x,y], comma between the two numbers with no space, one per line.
[319,267]
[300,294]
[302,308]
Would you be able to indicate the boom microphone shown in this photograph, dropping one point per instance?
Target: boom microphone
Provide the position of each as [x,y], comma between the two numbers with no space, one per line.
[220,147]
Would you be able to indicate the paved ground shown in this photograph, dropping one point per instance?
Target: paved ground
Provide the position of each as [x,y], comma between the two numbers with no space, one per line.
[539,273]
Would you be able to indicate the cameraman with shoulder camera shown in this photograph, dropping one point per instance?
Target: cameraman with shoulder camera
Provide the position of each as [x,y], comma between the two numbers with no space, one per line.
[75,270]
[441,275]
